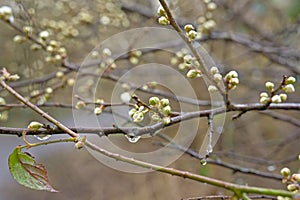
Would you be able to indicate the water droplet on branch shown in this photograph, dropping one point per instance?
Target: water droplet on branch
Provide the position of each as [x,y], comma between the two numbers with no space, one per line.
[133,139]
[42,137]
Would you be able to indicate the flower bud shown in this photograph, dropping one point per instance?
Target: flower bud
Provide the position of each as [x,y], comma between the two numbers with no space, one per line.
[155,117]
[164,102]
[193,73]
[71,82]
[263,94]
[264,100]
[163,20]
[188,27]
[153,101]
[161,11]
[44,35]
[234,81]
[212,88]
[192,34]
[285,172]
[19,39]
[131,112]
[231,74]
[166,110]
[290,80]
[214,70]
[34,126]
[276,99]
[138,116]
[296,177]
[217,77]
[166,120]
[289,88]
[80,105]
[80,142]
[97,111]
[283,97]
[269,86]
[292,187]
[188,59]
[59,74]
[2,101]
[211,6]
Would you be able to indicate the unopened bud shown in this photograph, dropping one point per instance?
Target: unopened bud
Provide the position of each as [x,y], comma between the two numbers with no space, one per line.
[34,126]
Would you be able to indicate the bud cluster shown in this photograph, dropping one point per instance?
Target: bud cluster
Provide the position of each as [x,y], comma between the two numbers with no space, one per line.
[138,113]
[287,86]
[206,21]
[190,32]
[231,79]
[292,181]
[134,56]
[163,17]
[99,109]
[163,107]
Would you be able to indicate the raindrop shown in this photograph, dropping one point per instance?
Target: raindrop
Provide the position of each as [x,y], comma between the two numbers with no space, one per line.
[203,161]
[132,139]
[209,149]
[271,168]
[42,137]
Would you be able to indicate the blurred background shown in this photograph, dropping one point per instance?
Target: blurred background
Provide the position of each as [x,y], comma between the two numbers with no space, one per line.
[259,39]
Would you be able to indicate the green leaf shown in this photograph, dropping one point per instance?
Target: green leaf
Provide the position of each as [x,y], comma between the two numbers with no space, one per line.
[27,172]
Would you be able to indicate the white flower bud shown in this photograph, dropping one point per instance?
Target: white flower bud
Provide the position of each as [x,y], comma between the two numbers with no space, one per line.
[276,99]
[49,90]
[161,11]
[163,20]
[71,82]
[212,88]
[211,6]
[125,97]
[19,39]
[164,102]
[264,100]
[290,80]
[218,77]
[2,101]
[44,35]
[263,94]
[285,172]
[192,34]
[234,81]
[188,59]
[166,110]
[80,105]
[188,27]
[97,111]
[283,97]
[231,74]
[138,116]
[214,70]
[289,88]
[59,74]
[34,126]
[166,120]
[131,112]
[155,117]
[193,73]
[153,101]
[269,86]
[106,52]
[6,13]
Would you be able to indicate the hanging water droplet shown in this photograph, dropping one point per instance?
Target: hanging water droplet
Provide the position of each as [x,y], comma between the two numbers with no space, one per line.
[42,137]
[271,168]
[209,149]
[203,161]
[132,139]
